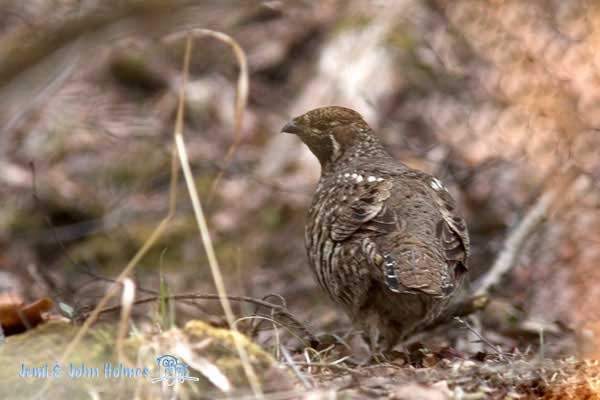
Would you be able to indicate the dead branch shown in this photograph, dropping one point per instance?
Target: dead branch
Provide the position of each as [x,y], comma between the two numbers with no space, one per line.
[513,245]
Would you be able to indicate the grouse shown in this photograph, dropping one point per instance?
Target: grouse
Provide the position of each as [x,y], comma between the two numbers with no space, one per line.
[383,240]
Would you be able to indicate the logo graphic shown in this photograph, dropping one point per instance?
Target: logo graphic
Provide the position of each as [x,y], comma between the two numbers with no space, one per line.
[171,371]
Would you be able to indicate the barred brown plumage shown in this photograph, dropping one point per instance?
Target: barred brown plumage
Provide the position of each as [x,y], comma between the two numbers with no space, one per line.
[383,240]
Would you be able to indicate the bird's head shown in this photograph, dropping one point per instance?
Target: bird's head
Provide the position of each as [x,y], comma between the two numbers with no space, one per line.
[329,131]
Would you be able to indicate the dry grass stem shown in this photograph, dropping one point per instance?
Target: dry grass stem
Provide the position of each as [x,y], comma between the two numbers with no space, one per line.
[294,367]
[241,98]
[127,298]
[207,243]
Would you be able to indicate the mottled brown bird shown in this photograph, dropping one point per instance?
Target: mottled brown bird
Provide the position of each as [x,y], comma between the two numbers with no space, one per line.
[383,240]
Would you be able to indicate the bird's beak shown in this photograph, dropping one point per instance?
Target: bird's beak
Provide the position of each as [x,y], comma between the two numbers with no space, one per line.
[291,127]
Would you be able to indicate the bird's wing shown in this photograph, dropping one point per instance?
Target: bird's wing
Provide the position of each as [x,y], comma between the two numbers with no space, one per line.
[362,206]
[365,213]
[452,229]
[411,269]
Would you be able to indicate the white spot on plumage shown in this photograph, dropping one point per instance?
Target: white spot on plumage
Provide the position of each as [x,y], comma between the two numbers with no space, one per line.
[436,184]
[359,178]
[371,179]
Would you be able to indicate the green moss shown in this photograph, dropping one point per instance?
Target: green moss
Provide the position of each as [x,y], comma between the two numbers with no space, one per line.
[20,222]
[400,38]
[222,348]
[353,21]
[271,217]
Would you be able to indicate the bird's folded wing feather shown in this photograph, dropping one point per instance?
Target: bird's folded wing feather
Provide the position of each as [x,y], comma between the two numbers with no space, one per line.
[365,209]
[410,269]
[363,203]
[452,230]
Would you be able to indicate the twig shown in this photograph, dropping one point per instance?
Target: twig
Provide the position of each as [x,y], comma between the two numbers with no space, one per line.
[294,367]
[514,243]
[330,366]
[480,336]
[462,309]
[280,310]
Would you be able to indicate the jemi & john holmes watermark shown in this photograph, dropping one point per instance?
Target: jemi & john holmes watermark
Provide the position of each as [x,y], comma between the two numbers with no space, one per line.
[170,371]
[82,371]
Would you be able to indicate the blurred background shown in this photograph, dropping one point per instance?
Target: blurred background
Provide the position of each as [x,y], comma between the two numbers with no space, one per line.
[500,99]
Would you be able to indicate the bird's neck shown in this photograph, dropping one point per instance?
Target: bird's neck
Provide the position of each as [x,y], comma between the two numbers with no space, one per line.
[367,150]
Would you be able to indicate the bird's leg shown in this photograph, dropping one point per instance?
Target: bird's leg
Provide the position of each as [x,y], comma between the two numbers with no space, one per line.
[373,336]
[375,355]
[379,345]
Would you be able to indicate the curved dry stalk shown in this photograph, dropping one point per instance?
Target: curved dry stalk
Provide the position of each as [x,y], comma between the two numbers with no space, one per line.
[275,325]
[207,241]
[241,99]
